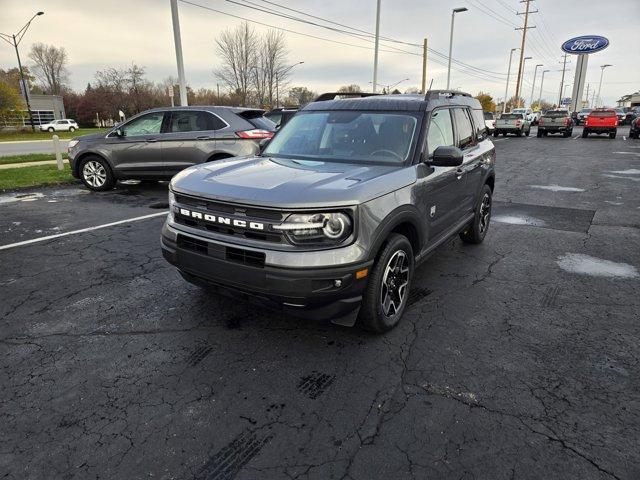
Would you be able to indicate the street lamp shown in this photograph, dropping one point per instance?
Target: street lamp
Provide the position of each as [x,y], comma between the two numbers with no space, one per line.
[15,40]
[453,16]
[283,73]
[506,89]
[524,61]
[602,67]
[533,86]
[541,84]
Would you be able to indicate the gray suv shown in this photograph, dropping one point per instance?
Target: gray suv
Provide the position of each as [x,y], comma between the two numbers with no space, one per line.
[331,219]
[158,143]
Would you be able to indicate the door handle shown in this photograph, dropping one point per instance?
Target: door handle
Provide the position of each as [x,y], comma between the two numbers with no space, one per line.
[204,137]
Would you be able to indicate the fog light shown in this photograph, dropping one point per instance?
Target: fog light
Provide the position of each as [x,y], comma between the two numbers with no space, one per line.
[337,283]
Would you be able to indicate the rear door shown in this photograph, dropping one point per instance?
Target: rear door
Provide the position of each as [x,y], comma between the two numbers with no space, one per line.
[190,138]
[138,152]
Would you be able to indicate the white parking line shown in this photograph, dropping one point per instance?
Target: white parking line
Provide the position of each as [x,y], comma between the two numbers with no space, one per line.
[82,230]
[576,137]
[499,140]
[624,138]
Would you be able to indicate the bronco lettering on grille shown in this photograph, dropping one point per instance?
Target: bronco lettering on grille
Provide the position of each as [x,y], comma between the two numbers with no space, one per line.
[207,217]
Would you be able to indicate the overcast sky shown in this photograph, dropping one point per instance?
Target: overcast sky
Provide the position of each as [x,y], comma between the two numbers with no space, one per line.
[106,33]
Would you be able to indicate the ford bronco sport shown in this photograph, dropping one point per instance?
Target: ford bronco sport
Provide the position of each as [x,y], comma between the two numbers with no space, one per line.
[331,219]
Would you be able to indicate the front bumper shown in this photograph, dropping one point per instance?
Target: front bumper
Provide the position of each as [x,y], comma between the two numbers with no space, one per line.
[327,293]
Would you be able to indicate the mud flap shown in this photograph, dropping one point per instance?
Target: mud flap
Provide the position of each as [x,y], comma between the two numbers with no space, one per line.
[349,320]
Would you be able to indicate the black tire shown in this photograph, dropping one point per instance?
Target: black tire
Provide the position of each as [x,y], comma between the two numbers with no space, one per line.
[519,133]
[566,134]
[539,134]
[612,135]
[477,230]
[96,178]
[633,135]
[496,133]
[585,133]
[373,316]
[72,129]
[50,130]
[527,132]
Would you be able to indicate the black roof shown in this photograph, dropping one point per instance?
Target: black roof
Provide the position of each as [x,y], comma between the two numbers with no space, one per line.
[401,102]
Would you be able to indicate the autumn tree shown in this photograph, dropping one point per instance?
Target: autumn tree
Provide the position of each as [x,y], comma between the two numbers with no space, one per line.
[300,96]
[10,101]
[514,102]
[486,100]
[50,66]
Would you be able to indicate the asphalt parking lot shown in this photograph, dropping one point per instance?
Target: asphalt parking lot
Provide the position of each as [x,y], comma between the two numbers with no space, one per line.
[517,359]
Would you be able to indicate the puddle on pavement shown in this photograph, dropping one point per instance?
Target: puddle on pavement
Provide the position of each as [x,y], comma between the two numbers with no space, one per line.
[595,267]
[519,220]
[555,218]
[557,188]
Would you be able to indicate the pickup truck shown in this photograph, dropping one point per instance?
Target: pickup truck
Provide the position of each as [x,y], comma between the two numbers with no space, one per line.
[331,219]
[601,121]
[555,121]
[512,123]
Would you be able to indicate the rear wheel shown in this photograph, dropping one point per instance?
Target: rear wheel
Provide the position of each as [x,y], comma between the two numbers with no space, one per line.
[539,134]
[478,228]
[496,133]
[527,132]
[585,133]
[612,135]
[72,129]
[96,174]
[519,133]
[385,298]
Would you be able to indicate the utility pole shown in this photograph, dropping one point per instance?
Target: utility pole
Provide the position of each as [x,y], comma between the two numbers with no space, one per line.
[178,43]
[424,67]
[564,66]
[524,37]
[377,43]
[506,89]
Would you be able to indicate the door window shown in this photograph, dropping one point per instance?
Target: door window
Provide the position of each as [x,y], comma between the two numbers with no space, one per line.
[440,130]
[479,120]
[149,124]
[464,126]
[194,121]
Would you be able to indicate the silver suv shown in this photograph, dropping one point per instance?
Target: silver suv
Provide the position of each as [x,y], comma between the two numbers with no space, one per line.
[158,143]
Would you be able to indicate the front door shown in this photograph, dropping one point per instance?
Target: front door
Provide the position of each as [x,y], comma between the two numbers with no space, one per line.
[138,152]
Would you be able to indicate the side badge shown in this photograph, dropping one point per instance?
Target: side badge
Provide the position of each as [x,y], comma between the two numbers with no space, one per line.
[433,211]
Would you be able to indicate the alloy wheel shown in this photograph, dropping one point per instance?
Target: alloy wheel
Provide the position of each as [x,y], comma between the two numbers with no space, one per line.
[485,212]
[94,173]
[394,283]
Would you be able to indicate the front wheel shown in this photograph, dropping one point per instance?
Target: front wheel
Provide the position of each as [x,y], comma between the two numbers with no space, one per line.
[385,298]
[477,230]
[50,130]
[96,174]
[585,134]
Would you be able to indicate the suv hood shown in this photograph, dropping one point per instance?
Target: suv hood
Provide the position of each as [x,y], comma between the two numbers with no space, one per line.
[91,136]
[287,183]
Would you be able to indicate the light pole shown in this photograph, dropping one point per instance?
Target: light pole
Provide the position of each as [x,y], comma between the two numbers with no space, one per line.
[277,84]
[602,67]
[453,16]
[524,61]
[377,43]
[506,89]
[177,40]
[15,40]
[541,84]
[533,86]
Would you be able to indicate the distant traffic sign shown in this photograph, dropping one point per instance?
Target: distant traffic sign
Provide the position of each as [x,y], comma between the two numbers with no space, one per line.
[585,44]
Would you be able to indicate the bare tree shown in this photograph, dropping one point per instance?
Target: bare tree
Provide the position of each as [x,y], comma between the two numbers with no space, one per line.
[300,96]
[50,66]
[273,63]
[238,49]
[353,88]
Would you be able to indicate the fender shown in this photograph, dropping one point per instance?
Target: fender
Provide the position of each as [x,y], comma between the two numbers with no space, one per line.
[402,214]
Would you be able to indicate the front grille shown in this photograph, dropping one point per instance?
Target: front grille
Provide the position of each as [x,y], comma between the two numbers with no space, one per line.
[250,258]
[254,214]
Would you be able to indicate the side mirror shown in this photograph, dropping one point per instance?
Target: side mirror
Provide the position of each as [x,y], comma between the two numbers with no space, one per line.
[118,132]
[263,144]
[447,157]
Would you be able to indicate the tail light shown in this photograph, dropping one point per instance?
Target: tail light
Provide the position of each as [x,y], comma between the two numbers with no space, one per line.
[540,122]
[567,121]
[518,123]
[255,134]
[494,124]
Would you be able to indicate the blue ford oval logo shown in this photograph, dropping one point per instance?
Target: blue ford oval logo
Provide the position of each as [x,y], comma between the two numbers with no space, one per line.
[585,44]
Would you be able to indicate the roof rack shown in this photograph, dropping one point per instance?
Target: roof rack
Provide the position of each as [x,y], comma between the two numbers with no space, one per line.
[431,94]
[332,95]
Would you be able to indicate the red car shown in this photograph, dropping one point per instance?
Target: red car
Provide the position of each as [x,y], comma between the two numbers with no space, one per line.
[603,120]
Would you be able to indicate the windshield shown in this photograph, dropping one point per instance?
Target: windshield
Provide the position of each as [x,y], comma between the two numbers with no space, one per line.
[488,116]
[347,136]
[585,110]
[557,113]
[511,116]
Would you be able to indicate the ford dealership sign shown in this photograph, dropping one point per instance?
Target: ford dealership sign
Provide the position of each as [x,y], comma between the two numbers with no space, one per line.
[585,44]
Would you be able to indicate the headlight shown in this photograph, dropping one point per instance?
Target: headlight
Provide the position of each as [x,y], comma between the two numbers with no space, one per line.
[317,228]
[172,202]
[72,143]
